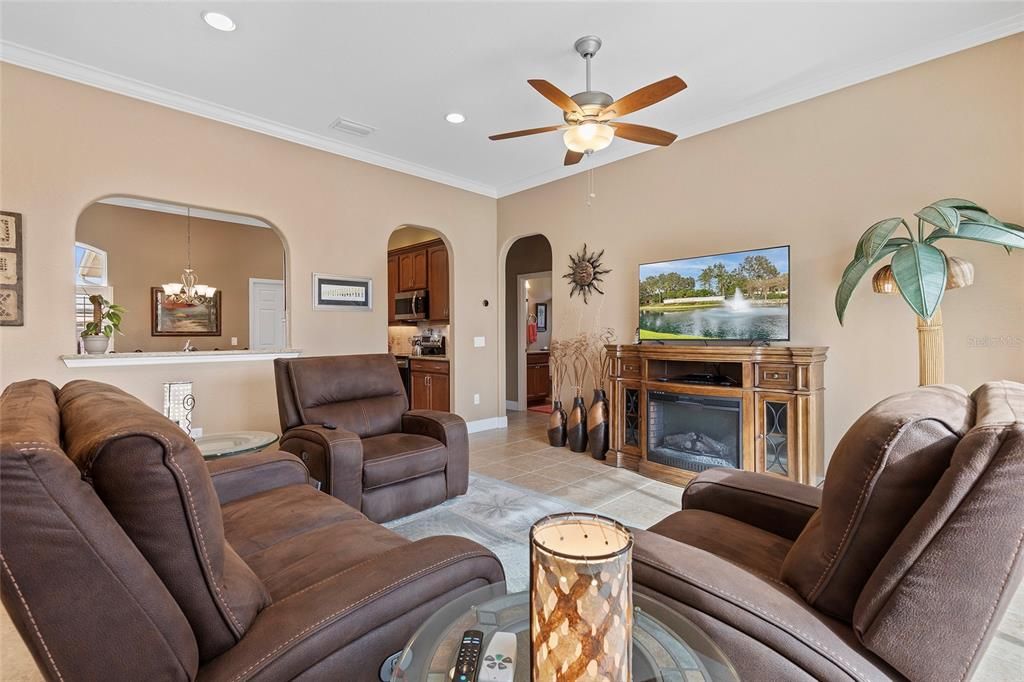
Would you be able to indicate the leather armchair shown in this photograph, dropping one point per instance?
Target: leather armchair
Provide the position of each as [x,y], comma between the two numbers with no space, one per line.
[348,419]
[127,557]
[899,568]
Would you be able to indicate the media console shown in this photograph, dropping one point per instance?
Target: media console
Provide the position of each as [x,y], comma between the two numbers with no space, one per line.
[677,410]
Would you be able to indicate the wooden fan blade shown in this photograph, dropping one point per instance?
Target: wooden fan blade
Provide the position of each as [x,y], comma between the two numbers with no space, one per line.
[644,97]
[645,134]
[572,157]
[556,96]
[520,133]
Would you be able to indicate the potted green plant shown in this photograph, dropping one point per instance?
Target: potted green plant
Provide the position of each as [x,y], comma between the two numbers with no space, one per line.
[106,319]
[920,272]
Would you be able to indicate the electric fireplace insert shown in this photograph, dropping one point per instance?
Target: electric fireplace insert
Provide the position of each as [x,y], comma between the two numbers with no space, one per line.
[693,432]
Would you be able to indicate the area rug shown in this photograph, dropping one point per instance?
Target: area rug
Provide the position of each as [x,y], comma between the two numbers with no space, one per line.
[494,513]
[540,409]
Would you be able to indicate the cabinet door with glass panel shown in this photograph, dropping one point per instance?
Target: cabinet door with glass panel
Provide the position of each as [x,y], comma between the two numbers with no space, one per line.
[630,419]
[775,446]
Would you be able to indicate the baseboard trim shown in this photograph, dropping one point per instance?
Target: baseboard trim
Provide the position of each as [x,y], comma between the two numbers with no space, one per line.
[512,405]
[487,424]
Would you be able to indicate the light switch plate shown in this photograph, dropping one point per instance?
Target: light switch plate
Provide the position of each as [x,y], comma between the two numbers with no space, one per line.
[479,341]
[476,398]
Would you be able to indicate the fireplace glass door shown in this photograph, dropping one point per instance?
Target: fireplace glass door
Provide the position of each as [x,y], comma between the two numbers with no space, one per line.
[693,432]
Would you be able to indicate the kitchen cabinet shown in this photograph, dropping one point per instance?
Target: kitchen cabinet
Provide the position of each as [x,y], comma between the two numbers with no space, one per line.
[437,282]
[392,286]
[412,270]
[538,378]
[430,385]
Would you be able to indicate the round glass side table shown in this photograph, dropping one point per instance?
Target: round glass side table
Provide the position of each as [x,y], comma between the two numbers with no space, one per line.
[666,645]
[234,443]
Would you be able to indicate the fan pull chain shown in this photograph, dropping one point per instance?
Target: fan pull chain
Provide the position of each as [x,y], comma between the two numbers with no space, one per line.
[591,191]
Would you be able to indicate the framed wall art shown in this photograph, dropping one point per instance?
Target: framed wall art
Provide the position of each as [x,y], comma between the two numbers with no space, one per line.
[12,292]
[337,292]
[181,319]
[542,317]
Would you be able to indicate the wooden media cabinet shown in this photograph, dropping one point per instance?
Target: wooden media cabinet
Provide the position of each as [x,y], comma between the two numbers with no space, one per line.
[677,410]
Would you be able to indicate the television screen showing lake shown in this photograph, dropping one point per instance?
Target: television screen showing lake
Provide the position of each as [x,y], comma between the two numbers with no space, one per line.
[732,296]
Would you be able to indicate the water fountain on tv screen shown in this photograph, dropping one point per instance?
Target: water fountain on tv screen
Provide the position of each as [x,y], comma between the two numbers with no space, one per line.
[737,303]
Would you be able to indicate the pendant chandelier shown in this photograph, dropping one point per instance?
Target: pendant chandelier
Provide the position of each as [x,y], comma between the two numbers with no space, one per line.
[188,292]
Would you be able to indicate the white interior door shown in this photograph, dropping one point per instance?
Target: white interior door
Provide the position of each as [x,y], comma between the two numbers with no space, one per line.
[266,314]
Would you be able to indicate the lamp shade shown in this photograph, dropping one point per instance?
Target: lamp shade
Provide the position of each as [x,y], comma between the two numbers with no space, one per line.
[581,599]
[588,137]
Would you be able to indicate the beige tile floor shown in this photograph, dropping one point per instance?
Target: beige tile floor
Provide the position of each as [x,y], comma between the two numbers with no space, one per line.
[521,455]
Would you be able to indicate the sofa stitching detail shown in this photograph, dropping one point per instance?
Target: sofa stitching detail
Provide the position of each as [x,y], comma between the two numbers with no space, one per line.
[88,543]
[342,572]
[995,604]
[269,463]
[349,607]
[28,612]
[195,517]
[202,543]
[778,621]
[813,594]
[699,484]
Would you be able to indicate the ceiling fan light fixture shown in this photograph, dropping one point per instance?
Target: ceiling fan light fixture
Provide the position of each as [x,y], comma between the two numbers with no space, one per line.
[588,137]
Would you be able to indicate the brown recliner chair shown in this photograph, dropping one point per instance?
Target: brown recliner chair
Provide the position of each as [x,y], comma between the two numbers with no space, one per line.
[348,418]
[899,568]
[144,563]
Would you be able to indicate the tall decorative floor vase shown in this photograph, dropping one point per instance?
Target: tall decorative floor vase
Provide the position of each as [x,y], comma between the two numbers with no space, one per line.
[576,431]
[581,599]
[597,421]
[556,425]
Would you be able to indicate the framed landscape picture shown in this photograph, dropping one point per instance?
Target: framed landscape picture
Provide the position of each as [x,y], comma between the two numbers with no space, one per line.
[542,317]
[337,292]
[179,319]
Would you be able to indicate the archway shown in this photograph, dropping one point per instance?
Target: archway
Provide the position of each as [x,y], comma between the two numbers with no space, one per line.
[527,321]
[420,299]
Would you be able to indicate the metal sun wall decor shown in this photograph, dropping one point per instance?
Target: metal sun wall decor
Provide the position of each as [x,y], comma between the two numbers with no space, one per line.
[585,272]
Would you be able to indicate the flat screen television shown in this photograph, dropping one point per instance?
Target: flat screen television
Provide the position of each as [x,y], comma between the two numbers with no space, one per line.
[739,296]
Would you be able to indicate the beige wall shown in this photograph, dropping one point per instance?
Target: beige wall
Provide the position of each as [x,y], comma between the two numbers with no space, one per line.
[147,248]
[816,175]
[66,145]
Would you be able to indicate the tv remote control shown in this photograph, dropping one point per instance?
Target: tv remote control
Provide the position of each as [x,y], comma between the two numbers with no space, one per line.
[467,662]
[498,664]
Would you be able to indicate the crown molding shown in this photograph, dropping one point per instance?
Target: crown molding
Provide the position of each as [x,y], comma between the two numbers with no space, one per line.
[822,86]
[29,58]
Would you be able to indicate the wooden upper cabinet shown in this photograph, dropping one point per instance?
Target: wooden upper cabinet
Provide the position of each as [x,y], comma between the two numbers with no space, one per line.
[437,281]
[392,286]
[412,270]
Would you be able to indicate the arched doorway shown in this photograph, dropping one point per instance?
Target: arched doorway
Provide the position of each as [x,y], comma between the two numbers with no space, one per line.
[528,321]
[421,315]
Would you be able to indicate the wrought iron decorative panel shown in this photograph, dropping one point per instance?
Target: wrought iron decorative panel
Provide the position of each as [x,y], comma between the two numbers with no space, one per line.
[776,437]
[631,435]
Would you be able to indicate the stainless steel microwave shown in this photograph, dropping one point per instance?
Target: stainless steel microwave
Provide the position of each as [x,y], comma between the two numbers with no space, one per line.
[411,305]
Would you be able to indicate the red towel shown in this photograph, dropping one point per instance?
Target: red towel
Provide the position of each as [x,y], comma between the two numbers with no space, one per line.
[531,333]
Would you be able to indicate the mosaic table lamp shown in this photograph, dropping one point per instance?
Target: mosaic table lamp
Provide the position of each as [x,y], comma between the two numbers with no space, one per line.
[581,599]
[178,403]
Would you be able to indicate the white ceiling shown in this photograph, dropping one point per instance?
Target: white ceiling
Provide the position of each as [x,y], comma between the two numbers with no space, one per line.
[292,68]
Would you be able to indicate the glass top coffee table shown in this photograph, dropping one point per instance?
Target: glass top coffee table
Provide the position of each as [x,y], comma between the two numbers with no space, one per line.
[667,647]
[234,443]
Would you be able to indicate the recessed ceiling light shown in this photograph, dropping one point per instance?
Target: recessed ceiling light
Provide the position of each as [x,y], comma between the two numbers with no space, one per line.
[221,22]
[455,117]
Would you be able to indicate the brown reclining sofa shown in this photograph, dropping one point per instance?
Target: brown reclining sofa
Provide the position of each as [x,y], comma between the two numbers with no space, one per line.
[899,568]
[126,557]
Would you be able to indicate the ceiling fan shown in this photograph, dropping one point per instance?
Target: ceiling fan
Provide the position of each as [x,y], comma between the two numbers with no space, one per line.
[589,115]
